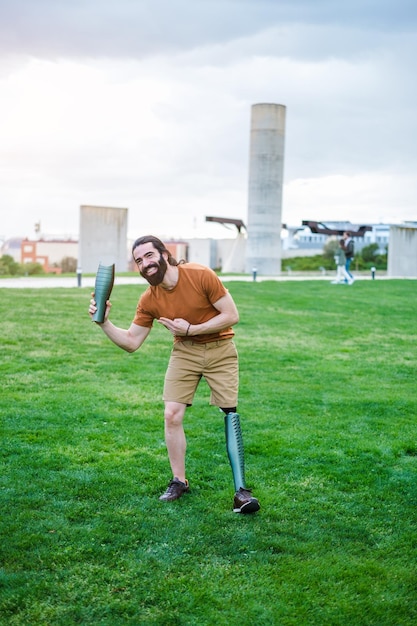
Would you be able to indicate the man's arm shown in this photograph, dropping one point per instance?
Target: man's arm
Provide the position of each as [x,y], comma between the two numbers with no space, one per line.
[130,339]
[228,316]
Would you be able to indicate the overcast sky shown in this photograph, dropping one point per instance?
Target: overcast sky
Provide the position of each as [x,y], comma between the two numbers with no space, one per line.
[146,104]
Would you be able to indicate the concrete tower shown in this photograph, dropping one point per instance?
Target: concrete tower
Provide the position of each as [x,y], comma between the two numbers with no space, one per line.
[266,169]
[103,238]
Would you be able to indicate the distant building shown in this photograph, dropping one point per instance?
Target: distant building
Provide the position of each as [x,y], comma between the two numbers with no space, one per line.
[379,234]
[228,255]
[12,247]
[300,241]
[309,240]
[48,252]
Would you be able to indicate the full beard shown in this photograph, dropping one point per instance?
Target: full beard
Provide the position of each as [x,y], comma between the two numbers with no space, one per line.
[158,277]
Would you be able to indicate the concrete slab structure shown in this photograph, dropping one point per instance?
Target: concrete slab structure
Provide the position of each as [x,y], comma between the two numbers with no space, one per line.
[402,251]
[103,238]
[266,169]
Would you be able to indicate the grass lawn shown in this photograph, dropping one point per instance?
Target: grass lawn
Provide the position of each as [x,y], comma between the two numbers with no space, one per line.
[328,406]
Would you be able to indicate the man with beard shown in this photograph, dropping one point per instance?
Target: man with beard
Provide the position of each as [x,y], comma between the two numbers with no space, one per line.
[193,304]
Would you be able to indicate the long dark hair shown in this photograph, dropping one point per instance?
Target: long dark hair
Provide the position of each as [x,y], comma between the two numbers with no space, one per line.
[158,245]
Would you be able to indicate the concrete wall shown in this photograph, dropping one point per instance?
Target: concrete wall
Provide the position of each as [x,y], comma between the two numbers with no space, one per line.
[103,238]
[225,254]
[202,251]
[232,254]
[266,167]
[402,251]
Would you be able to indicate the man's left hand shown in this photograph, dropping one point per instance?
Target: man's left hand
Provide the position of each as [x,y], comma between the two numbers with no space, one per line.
[177,326]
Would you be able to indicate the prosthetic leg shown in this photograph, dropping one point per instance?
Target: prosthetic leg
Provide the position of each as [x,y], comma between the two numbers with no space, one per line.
[102,290]
[243,502]
[234,445]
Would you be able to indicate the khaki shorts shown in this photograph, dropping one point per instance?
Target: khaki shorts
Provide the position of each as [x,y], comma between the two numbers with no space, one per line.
[216,361]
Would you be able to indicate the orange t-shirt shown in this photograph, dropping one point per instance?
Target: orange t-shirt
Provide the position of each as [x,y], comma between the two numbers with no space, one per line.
[191,299]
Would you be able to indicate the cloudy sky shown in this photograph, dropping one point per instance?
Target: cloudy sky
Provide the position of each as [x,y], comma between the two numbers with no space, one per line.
[146,104]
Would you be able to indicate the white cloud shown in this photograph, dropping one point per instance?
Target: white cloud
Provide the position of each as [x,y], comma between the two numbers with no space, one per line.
[331,198]
[167,133]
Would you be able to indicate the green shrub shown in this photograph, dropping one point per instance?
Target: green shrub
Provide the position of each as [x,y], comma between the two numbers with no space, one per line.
[308,263]
[32,269]
[69,265]
[363,260]
[8,266]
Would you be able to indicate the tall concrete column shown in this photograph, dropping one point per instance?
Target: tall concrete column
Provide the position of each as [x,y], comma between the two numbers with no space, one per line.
[266,169]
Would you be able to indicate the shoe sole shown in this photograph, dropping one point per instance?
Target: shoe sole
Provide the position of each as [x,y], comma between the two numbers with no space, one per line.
[249,507]
[164,499]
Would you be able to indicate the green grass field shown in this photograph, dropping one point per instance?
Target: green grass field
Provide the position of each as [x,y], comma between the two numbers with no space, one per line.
[328,407]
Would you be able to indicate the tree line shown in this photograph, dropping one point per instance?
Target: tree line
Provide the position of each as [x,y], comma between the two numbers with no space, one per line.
[10,267]
[364,259]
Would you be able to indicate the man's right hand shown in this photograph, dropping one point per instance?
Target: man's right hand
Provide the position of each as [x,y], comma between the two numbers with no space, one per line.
[93,308]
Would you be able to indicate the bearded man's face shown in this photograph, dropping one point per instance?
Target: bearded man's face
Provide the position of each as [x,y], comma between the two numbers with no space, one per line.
[154,272]
[151,263]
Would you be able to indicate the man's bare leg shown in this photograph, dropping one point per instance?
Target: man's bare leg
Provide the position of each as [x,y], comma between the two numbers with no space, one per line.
[175,438]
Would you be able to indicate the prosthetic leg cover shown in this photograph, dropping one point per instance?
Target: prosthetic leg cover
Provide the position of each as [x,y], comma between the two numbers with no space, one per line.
[103,287]
[234,445]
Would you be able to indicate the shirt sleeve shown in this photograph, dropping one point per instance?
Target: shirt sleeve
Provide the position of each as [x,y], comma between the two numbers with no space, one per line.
[143,317]
[213,286]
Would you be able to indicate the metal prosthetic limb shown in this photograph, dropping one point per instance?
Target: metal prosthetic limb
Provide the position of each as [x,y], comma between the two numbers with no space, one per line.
[234,445]
[102,290]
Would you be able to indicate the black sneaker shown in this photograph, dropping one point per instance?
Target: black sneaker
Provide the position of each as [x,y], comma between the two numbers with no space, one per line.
[174,490]
[244,502]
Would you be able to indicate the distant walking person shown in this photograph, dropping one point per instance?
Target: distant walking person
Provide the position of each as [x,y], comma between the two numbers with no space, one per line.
[199,312]
[349,249]
[340,257]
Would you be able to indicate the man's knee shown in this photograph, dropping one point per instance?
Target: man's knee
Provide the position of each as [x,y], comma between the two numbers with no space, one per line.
[174,413]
